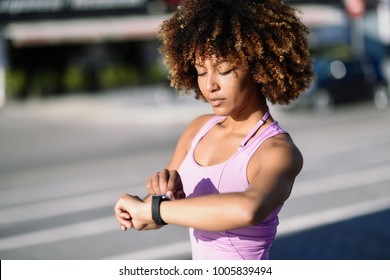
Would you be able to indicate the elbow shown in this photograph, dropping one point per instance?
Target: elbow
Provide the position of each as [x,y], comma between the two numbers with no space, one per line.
[254,210]
[251,215]
[253,218]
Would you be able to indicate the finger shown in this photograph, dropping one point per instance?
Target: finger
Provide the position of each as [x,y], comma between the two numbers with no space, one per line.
[175,185]
[118,207]
[121,221]
[156,183]
[149,185]
[170,195]
[124,215]
[127,224]
[179,195]
[124,222]
[173,179]
[164,178]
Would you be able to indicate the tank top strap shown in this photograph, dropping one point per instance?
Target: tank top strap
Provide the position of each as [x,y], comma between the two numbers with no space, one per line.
[269,131]
[205,128]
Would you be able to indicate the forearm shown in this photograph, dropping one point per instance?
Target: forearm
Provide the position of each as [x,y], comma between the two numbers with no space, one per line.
[212,212]
[218,212]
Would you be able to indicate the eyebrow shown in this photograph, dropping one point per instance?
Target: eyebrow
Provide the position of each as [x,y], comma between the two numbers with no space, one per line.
[214,64]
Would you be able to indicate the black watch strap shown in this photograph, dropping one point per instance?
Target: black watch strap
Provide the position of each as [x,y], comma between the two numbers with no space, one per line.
[156,201]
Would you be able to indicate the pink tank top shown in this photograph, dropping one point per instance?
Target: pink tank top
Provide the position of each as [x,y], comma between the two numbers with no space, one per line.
[251,242]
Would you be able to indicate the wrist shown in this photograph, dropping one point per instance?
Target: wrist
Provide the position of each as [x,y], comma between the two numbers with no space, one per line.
[143,212]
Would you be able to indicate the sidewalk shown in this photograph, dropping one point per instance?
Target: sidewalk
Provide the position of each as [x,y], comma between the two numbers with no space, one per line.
[149,105]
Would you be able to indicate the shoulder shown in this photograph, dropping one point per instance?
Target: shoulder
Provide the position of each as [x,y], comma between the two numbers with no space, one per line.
[184,143]
[281,151]
[278,155]
[199,121]
[195,126]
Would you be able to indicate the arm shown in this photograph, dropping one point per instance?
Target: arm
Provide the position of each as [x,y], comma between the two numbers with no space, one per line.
[271,173]
[271,183]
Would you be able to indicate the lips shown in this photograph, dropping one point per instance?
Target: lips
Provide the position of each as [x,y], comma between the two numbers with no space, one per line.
[216,102]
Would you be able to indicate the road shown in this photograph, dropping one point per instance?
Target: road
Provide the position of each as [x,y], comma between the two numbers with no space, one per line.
[64,162]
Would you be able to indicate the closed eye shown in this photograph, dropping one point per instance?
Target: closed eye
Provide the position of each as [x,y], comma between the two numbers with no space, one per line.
[224,73]
[201,74]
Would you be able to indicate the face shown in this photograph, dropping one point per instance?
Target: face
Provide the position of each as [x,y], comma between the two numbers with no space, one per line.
[231,91]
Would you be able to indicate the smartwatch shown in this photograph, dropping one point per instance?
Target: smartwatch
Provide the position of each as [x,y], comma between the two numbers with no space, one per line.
[156,201]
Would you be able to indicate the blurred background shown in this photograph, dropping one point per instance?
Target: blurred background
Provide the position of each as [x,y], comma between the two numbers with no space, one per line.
[87,114]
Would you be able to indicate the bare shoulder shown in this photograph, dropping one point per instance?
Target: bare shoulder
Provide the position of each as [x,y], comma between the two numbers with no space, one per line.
[199,121]
[185,140]
[194,127]
[280,154]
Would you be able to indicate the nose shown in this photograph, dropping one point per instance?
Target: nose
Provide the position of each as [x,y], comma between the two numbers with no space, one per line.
[212,83]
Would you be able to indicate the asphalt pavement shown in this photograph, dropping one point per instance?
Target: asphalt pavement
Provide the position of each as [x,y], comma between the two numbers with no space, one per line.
[361,236]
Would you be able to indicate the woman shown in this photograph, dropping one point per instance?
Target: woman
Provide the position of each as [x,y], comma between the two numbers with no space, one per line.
[235,167]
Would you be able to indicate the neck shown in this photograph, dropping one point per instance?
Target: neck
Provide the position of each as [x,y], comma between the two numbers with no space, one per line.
[244,122]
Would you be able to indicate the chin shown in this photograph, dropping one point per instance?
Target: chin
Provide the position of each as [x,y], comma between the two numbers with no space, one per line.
[220,111]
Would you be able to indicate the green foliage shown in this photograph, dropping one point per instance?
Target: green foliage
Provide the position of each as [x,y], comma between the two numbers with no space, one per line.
[44,82]
[15,82]
[74,79]
[114,76]
[157,73]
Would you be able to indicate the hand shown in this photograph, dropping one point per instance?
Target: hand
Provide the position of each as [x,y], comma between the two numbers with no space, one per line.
[132,212]
[166,182]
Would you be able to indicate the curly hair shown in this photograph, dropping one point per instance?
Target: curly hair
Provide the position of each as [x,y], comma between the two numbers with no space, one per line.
[265,37]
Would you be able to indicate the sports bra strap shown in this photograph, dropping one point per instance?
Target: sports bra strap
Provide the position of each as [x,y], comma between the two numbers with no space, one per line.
[255,129]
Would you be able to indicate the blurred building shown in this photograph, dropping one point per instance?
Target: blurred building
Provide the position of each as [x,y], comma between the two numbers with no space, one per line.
[61,46]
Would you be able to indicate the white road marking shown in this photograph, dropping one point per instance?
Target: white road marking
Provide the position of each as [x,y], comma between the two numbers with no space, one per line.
[51,208]
[341,181]
[77,230]
[160,252]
